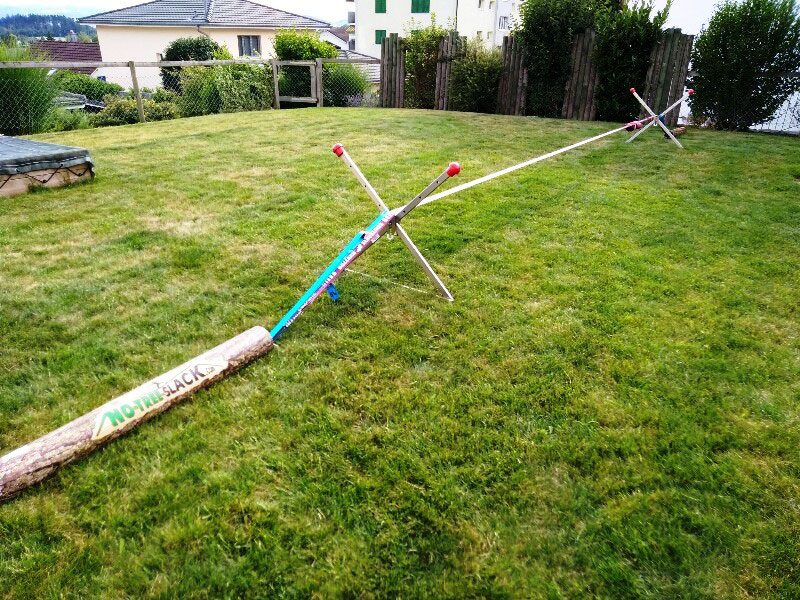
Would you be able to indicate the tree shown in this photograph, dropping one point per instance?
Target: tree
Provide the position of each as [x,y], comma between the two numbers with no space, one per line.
[741,60]
[188,48]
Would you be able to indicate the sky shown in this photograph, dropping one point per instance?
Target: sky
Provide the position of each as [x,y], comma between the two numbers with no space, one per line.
[689,15]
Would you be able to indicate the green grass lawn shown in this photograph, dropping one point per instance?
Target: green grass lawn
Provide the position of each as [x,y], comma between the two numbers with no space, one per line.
[609,408]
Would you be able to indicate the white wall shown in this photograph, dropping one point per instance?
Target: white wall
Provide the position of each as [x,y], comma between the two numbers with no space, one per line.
[144,44]
[472,19]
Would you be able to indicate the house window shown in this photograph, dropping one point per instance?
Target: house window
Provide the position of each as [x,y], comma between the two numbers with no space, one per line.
[480,34]
[491,5]
[488,35]
[380,34]
[480,3]
[503,24]
[249,45]
[380,6]
[420,6]
[351,44]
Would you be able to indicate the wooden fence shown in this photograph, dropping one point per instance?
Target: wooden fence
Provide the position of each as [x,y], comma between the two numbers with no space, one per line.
[666,77]
[514,80]
[450,48]
[393,71]
[579,97]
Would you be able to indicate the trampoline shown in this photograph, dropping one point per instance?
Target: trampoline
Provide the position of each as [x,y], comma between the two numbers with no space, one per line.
[28,164]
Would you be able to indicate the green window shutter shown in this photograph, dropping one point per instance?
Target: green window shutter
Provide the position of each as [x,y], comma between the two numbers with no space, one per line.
[379,35]
[380,6]
[420,6]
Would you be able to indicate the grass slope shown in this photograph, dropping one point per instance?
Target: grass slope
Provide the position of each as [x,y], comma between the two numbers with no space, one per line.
[609,408]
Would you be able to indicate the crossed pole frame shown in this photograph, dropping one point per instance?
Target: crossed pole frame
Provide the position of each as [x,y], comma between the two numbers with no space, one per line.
[339,151]
[656,118]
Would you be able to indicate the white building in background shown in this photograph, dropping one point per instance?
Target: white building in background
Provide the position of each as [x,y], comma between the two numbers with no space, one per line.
[488,20]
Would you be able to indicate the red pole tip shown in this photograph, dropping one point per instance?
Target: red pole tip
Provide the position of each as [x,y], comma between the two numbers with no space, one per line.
[633,90]
[338,149]
[454,169]
[691,92]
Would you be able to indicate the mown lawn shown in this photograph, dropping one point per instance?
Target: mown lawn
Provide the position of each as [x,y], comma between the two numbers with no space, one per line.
[609,408]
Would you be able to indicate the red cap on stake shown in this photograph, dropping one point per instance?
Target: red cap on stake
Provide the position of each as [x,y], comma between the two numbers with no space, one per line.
[338,149]
[633,90]
[690,92]
[454,169]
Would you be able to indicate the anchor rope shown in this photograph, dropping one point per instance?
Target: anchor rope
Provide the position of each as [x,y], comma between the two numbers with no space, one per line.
[527,163]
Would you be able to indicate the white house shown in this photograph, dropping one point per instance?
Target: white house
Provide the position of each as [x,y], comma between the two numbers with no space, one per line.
[488,20]
[142,32]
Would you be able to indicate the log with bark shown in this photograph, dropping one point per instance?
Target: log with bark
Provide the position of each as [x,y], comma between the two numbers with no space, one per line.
[35,461]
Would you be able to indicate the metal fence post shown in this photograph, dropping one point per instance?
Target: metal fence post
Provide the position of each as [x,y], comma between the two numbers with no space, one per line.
[136,92]
[318,73]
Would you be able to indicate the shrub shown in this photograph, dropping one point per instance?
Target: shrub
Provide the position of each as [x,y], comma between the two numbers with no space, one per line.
[244,87]
[302,45]
[475,78]
[625,41]
[60,119]
[188,48]
[77,83]
[343,83]
[422,48]
[26,95]
[164,95]
[546,29]
[299,45]
[123,111]
[200,93]
[740,58]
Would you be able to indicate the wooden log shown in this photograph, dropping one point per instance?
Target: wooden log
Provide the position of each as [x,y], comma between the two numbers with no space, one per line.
[37,460]
[566,108]
[276,85]
[136,93]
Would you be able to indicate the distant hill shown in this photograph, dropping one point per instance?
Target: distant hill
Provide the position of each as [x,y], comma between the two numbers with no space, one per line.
[41,25]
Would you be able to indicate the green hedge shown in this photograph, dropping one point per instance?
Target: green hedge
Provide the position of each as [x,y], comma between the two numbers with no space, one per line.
[740,59]
[26,95]
[77,83]
[123,111]
[475,78]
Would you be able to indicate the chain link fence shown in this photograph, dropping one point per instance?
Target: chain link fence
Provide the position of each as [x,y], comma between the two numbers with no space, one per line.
[38,97]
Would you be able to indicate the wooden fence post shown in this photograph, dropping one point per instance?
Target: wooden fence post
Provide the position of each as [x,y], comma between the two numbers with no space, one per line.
[393,71]
[318,74]
[274,64]
[666,76]
[449,49]
[579,90]
[137,94]
[513,80]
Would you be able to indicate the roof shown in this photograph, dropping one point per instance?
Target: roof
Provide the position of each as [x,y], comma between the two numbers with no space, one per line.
[211,13]
[70,52]
[340,32]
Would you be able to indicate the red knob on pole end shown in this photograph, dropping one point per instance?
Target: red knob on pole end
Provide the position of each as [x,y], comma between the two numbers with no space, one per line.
[690,92]
[454,169]
[338,149]
[633,90]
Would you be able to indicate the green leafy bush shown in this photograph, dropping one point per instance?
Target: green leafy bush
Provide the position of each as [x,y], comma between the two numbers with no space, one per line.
[546,29]
[244,87]
[740,59]
[422,48]
[299,45]
[291,44]
[200,95]
[475,78]
[164,95]
[61,119]
[78,83]
[26,95]
[123,111]
[342,83]
[625,40]
[188,48]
